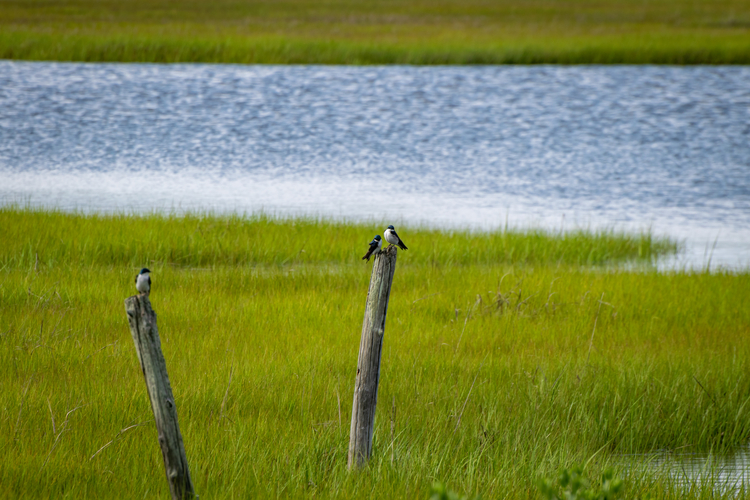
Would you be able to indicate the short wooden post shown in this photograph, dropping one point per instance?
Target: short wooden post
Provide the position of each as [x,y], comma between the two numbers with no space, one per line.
[368,365]
[142,319]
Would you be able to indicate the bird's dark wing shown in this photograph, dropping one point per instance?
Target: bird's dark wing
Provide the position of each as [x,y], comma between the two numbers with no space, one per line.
[149,281]
[372,248]
[400,243]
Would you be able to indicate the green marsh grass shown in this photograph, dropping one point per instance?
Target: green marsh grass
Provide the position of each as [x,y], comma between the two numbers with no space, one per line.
[383,32]
[54,238]
[507,356]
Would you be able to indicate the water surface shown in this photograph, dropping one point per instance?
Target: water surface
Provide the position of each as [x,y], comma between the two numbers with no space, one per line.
[727,473]
[633,147]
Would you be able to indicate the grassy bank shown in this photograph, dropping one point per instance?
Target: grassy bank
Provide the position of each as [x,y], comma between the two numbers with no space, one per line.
[506,357]
[385,32]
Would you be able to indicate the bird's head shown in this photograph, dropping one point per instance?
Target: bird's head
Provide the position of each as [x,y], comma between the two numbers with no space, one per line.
[144,271]
[377,237]
[391,227]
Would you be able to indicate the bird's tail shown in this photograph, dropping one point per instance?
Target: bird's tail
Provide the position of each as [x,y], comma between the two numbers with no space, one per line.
[402,246]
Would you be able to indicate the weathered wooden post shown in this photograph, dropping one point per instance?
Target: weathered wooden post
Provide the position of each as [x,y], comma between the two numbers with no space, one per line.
[142,321]
[368,364]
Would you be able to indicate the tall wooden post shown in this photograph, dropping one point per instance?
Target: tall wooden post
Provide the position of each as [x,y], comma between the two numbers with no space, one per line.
[368,364]
[142,321]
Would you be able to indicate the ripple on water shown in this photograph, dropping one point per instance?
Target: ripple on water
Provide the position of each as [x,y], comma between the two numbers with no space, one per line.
[727,473]
[666,148]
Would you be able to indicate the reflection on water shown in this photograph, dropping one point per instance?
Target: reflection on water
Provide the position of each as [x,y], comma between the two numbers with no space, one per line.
[723,473]
[666,148]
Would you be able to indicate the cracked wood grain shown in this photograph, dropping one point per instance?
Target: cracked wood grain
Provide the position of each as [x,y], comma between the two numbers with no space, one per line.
[142,320]
[368,364]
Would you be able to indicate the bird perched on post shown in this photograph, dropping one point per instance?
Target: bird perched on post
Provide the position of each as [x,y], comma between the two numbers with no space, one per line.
[375,245]
[392,238]
[143,281]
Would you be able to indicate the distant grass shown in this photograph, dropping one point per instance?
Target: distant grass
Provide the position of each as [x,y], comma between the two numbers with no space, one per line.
[383,32]
[34,236]
[506,357]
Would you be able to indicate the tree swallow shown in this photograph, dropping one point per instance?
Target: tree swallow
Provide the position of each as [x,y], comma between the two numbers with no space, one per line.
[143,281]
[392,238]
[375,245]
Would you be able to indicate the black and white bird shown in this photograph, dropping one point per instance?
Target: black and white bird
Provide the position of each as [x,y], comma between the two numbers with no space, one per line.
[375,245]
[143,281]
[392,238]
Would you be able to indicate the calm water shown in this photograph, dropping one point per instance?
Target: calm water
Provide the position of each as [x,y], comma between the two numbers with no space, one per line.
[666,148]
[727,474]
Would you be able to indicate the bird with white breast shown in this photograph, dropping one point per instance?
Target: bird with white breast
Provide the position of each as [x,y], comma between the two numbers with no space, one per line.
[375,245]
[143,281]
[392,238]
